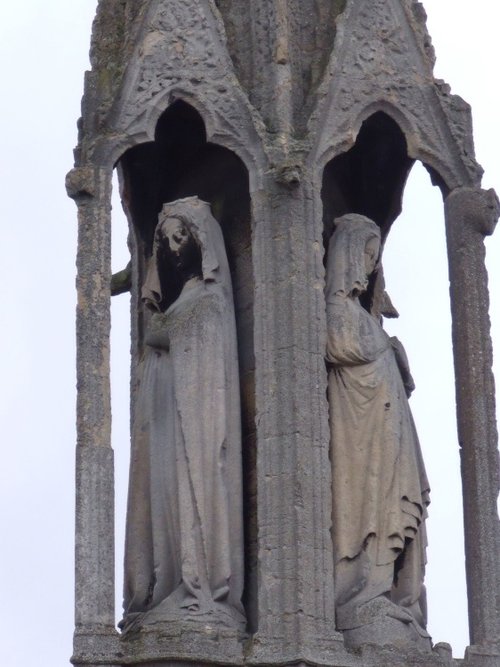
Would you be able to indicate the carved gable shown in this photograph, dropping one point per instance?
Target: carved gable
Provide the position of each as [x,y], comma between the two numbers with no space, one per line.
[383,60]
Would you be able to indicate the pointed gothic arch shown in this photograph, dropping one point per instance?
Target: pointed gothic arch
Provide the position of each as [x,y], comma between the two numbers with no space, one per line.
[179,163]
[369,178]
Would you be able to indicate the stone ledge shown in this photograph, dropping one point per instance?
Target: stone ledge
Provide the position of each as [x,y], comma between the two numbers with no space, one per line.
[179,646]
[175,646]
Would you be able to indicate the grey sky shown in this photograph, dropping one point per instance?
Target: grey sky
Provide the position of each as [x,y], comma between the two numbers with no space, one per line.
[43,49]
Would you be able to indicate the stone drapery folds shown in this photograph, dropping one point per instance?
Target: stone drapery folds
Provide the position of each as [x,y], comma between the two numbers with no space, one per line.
[184,543]
[380,489]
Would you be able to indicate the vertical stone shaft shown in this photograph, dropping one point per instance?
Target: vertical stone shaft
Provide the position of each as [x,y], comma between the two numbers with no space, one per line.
[282,74]
[471,214]
[94,604]
[271,73]
[296,611]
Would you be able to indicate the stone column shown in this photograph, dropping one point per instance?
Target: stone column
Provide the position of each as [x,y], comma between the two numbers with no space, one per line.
[90,187]
[295,589]
[471,214]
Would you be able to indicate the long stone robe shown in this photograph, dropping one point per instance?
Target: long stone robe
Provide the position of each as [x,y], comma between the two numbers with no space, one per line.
[380,489]
[184,536]
[379,486]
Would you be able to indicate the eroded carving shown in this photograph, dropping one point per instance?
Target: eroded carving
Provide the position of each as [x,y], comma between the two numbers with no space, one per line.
[184,549]
[383,60]
[380,489]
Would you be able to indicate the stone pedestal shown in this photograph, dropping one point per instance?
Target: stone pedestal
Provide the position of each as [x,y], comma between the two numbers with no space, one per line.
[174,648]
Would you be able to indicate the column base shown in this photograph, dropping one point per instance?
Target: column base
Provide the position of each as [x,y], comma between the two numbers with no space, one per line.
[482,656]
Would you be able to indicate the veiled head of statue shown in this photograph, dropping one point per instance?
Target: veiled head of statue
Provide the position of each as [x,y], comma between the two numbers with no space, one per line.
[187,240]
[353,253]
[181,248]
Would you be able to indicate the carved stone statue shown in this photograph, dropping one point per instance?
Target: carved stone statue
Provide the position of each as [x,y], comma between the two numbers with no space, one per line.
[380,489]
[184,536]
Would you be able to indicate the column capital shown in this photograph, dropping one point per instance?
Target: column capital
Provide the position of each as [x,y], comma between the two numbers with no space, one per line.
[81,182]
[479,209]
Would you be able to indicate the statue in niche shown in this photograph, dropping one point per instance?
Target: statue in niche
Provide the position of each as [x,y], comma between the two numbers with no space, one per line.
[184,534]
[380,489]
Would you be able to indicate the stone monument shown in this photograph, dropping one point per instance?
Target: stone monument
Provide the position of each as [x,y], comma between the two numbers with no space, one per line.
[277,493]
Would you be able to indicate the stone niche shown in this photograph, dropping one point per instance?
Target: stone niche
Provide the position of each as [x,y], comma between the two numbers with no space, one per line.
[181,163]
[276,122]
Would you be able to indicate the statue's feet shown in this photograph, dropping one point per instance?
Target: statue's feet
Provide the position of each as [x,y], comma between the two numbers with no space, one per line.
[381,622]
[381,606]
[184,609]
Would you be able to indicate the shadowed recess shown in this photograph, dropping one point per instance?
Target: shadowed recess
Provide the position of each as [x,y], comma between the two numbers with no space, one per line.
[181,163]
[369,178]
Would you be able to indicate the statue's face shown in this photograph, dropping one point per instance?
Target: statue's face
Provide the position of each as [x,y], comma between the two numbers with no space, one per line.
[372,248]
[178,240]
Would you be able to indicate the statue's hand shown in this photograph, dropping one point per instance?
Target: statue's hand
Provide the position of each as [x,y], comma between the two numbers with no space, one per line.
[121,282]
[409,384]
[403,365]
[157,334]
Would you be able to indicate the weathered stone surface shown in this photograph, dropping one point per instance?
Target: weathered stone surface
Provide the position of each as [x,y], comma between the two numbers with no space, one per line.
[383,59]
[169,650]
[184,535]
[175,644]
[94,547]
[91,188]
[94,604]
[285,86]
[288,59]
[477,656]
[471,214]
[295,587]
[379,485]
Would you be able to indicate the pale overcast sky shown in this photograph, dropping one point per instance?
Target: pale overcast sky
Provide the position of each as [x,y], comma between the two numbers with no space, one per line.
[43,54]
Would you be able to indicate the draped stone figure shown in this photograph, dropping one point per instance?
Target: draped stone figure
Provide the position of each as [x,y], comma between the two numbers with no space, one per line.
[184,534]
[380,489]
